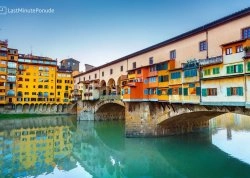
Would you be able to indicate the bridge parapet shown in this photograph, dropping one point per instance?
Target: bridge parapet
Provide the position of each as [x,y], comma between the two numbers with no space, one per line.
[110,97]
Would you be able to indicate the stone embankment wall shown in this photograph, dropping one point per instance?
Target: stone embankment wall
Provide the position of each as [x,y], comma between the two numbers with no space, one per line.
[39,109]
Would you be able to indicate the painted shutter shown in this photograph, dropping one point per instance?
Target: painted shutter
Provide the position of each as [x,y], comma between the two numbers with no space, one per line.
[240,91]
[129,91]
[248,66]
[228,70]
[170,91]
[229,92]
[180,91]
[240,68]
[185,91]
[204,92]
[198,91]
[158,92]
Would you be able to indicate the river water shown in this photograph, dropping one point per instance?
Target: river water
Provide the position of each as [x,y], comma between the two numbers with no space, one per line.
[58,146]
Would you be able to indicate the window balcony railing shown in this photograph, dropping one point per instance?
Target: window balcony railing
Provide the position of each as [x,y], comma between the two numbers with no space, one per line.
[212,60]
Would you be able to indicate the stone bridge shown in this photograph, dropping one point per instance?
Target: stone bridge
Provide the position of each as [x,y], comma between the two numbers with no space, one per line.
[150,119]
[108,107]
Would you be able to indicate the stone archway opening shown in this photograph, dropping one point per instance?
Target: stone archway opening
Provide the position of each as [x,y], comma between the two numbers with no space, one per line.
[103,88]
[118,86]
[110,111]
[111,87]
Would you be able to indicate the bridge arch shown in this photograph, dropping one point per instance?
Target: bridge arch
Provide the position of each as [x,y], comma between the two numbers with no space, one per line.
[105,102]
[110,111]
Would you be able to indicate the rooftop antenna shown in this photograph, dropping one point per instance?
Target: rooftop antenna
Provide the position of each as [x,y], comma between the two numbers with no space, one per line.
[31,50]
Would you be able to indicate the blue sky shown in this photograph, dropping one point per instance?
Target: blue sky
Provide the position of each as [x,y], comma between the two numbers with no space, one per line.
[99,31]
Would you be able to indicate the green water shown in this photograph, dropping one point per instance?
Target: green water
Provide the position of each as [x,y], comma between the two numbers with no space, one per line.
[57,146]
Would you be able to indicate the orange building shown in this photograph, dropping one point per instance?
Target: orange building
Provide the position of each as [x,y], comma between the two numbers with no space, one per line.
[133,90]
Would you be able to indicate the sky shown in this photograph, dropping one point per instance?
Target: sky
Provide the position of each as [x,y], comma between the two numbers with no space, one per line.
[99,31]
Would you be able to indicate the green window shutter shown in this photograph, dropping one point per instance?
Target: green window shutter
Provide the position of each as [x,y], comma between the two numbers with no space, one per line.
[159,78]
[218,70]
[204,92]
[232,69]
[209,72]
[240,68]
[248,66]
[198,91]
[170,91]
[228,70]
[129,91]
[158,92]
[240,91]
[185,91]
[214,70]
[180,91]
[229,92]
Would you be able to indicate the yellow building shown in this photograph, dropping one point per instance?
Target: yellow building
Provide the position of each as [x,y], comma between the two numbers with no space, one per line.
[29,79]
[36,80]
[64,85]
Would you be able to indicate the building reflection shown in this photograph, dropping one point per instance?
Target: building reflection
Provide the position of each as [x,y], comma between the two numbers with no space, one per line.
[34,146]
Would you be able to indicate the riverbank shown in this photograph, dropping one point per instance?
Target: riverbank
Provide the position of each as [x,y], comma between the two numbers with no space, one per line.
[25,115]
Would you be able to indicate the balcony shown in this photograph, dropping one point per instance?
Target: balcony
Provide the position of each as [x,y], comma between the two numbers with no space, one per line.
[210,61]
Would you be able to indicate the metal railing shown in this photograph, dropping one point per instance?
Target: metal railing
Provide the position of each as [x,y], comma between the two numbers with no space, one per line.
[212,60]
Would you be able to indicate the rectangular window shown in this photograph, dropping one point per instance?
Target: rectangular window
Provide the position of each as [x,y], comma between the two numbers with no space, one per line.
[235,69]
[134,65]
[235,91]
[152,79]
[207,72]
[216,70]
[95,76]
[145,91]
[152,68]
[111,71]
[103,74]
[203,45]
[190,73]
[121,69]
[175,75]
[228,51]
[173,54]
[246,33]
[239,49]
[151,60]
[162,66]
[163,78]
[212,92]
[139,71]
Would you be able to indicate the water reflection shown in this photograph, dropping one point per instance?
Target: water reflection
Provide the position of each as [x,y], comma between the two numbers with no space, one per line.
[60,147]
[231,134]
[35,146]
